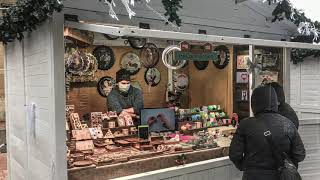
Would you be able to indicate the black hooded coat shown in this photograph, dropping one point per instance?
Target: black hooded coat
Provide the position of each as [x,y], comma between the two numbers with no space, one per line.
[250,151]
[284,108]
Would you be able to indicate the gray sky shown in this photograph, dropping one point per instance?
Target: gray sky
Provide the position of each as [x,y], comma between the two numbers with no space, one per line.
[310,7]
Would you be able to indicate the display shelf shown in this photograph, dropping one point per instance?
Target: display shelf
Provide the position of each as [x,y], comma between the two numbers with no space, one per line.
[123,127]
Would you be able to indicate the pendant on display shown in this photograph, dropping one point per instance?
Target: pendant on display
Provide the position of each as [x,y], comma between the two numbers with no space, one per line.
[105,85]
[131,62]
[136,43]
[149,55]
[201,65]
[152,76]
[223,57]
[181,82]
[104,56]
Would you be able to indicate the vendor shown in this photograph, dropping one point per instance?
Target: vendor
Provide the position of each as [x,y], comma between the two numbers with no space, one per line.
[124,98]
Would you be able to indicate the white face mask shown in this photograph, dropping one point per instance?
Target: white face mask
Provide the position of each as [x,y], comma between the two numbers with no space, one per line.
[124,87]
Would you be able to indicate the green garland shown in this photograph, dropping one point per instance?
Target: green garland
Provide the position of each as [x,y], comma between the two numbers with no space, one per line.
[26,15]
[285,8]
[172,7]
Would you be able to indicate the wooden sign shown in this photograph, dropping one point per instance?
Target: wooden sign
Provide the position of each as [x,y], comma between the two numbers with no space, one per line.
[196,52]
[84,145]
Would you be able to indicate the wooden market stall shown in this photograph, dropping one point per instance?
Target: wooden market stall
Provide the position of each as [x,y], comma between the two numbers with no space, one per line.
[36,137]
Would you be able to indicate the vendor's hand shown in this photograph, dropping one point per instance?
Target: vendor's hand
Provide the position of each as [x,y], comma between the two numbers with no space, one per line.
[129,110]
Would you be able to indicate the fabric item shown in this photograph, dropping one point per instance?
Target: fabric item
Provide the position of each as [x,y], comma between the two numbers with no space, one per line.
[124,87]
[248,149]
[117,101]
[122,74]
[284,108]
[260,175]
[264,99]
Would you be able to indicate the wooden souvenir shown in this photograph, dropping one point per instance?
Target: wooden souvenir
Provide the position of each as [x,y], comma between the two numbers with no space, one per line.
[121,121]
[131,62]
[82,163]
[123,143]
[109,141]
[112,114]
[149,55]
[82,134]
[96,119]
[108,135]
[96,133]
[125,132]
[111,124]
[128,120]
[84,145]
[117,134]
[75,121]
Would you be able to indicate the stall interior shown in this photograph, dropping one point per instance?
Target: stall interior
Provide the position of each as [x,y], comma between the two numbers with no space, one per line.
[185,110]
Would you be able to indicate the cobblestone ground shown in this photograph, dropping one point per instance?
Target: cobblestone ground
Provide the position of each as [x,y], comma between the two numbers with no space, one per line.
[3,166]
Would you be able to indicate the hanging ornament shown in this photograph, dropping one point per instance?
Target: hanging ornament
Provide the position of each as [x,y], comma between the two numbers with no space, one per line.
[111,4]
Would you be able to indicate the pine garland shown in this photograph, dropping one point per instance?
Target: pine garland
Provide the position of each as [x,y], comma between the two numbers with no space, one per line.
[26,15]
[283,10]
[172,7]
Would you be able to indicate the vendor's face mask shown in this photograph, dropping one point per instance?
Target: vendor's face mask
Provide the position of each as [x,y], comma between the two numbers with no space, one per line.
[124,86]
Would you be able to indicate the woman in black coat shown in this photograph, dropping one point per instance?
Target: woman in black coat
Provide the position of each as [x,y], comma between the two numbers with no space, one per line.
[284,108]
[250,151]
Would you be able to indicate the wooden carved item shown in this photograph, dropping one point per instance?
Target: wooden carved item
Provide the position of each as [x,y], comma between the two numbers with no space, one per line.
[82,134]
[84,145]
[96,133]
[96,119]
[75,121]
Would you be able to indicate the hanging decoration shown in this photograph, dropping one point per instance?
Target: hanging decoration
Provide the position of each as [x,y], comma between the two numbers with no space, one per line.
[131,62]
[169,60]
[152,76]
[104,56]
[181,82]
[126,3]
[80,66]
[135,42]
[105,85]
[307,30]
[26,15]
[149,55]
[223,57]
[201,65]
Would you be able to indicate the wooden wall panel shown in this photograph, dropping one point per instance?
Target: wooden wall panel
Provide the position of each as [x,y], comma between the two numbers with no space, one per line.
[212,85]
[86,98]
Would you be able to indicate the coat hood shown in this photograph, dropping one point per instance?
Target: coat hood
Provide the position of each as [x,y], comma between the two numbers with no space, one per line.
[279,91]
[264,99]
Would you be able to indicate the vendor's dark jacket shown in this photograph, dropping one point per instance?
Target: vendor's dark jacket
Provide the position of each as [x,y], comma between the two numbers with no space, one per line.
[250,151]
[117,101]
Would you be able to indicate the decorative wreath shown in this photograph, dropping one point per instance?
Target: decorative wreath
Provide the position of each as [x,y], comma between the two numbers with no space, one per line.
[104,56]
[223,57]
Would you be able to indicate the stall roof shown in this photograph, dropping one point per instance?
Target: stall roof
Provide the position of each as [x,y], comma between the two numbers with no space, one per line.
[118,30]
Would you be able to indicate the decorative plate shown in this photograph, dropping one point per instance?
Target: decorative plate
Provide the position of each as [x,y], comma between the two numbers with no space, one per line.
[201,65]
[149,55]
[105,85]
[181,82]
[137,43]
[152,76]
[110,37]
[223,57]
[104,56]
[131,62]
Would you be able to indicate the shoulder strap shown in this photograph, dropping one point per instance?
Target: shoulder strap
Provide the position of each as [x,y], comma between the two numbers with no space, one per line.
[274,148]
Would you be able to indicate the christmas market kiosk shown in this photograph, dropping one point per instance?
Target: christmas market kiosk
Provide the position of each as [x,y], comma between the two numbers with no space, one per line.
[194,88]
